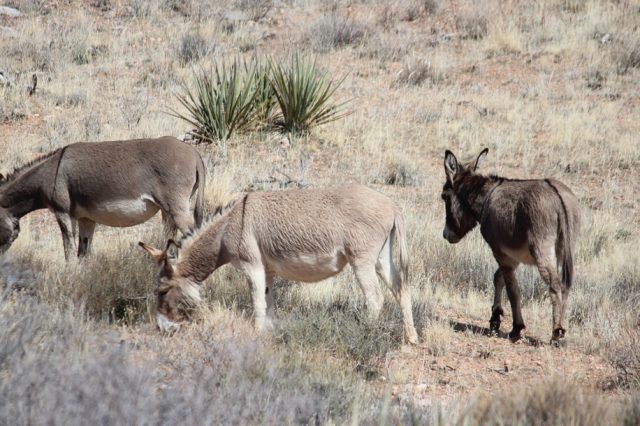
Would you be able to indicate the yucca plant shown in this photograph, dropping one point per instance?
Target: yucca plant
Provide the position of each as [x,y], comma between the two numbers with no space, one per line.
[265,103]
[303,93]
[221,103]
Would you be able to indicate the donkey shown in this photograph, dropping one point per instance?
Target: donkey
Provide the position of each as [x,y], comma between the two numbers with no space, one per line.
[535,222]
[298,234]
[118,183]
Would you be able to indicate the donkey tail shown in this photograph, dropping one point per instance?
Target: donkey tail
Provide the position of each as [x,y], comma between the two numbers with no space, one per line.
[398,231]
[567,249]
[198,212]
[566,239]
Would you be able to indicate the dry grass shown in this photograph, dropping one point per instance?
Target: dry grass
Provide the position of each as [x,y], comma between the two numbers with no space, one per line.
[551,89]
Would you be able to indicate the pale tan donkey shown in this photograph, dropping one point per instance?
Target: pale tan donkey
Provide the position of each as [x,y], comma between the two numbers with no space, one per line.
[535,222]
[119,183]
[299,234]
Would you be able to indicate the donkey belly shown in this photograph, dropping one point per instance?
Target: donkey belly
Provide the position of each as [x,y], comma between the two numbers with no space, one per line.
[309,267]
[119,213]
[521,255]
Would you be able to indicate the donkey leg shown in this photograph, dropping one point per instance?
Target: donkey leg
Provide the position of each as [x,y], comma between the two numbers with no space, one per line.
[258,286]
[513,292]
[67,228]
[390,275]
[169,227]
[549,274]
[496,309]
[565,297]
[269,296]
[368,281]
[85,238]
[179,212]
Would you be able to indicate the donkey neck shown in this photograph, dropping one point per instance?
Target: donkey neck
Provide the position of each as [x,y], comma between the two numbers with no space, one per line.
[25,192]
[474,192]
[204,252]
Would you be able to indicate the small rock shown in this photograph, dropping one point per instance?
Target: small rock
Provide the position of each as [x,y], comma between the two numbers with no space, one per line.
[9,11]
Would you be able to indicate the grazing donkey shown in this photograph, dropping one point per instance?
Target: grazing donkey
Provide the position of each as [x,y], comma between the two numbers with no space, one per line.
[535,222]
[120,183]
[298,234]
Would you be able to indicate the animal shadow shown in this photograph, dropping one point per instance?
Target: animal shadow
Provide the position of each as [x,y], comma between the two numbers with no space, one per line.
[461,327]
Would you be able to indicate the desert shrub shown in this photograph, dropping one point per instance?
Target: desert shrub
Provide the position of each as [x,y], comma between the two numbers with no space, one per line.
[400,172]
[473,21]
[115,285]
[625,354]
[11,103]
[553,402]
[416,72]
[385,48]
[255,9]
[432,7]
[222,101]
[410,10]
[73,99]
[141,8]
[437,337]
[626,53]
[341,327]
[572,6]
[102,5]
[303,93]
[192,47]
[57,368]
[35,7]
[334,31]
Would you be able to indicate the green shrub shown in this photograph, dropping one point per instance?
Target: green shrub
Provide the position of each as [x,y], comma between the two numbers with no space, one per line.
[265,104]
[303,92]
[221,103]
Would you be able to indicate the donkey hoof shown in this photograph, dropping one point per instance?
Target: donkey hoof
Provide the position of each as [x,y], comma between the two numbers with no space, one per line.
[494,328]
[558,334]
[515,333]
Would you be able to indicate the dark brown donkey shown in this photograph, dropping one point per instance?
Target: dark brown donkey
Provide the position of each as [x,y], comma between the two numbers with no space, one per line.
[119,183]
[535,222]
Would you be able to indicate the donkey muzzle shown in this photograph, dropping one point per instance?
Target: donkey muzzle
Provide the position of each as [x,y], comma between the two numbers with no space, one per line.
[450,236]
[165,324]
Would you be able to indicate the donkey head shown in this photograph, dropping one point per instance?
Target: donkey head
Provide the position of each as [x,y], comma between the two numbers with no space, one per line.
[177,296]
[9,229]
[460,219]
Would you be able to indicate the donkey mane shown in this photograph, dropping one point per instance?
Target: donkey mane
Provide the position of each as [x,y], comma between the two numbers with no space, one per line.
[218,213]
[18,170]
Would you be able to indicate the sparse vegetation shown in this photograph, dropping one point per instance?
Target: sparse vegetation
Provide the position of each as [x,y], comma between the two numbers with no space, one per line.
[416,72]
[192,47]
[335,31]
[626,53]
[473,20]
[549,87]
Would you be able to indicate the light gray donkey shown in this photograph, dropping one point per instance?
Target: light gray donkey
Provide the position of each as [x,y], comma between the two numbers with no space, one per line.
[119,183]
[535,222]
[298,234]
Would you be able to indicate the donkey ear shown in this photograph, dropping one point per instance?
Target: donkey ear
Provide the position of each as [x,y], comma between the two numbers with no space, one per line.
[450,164]
[157,254]
[480,159]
